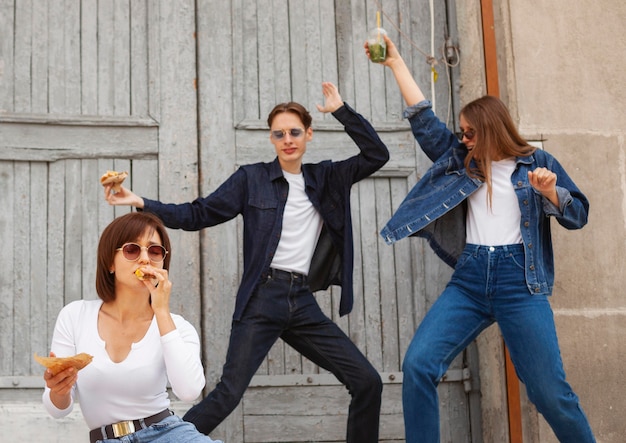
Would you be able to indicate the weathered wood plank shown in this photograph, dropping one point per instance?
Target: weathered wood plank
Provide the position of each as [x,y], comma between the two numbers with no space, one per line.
[48,142]
[106,58]
[311,55]
[298,54]
[356,330]
[38,232]
[40,62]
[121,57]
[72,54]
[328,50]
[154,58]
[389,305]
[403,269]
[139,63]
[22,271]
[55,246]
[91,190]
[371,278]
[89,56]
[361,65]
[7,276]
[249,85]
[56,60]
[7,56]
[73,225]
[21,76]
[271,50]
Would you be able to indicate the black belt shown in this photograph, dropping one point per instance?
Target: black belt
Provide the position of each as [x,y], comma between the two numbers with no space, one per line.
[279,274]
[123,428]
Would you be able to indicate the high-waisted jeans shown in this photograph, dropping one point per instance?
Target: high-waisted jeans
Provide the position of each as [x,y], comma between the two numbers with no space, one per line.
[284,307]
[487,286]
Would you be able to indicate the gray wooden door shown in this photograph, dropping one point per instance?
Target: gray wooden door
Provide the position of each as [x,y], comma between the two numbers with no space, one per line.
[253,54]
[86,86]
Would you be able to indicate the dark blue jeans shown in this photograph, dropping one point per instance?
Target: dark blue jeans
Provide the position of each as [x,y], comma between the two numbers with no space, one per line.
[488,286]
[284,307]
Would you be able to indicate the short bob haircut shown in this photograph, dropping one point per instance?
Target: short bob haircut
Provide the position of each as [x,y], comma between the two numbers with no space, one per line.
[293,108]
[127,228]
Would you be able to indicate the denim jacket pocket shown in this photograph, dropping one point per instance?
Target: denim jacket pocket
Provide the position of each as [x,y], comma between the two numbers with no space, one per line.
[262,213]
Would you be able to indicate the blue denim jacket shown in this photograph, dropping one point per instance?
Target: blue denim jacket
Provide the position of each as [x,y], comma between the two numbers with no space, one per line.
[435,208]
[259,192]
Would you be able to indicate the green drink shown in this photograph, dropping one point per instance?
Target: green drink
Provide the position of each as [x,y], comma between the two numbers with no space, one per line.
[377,45]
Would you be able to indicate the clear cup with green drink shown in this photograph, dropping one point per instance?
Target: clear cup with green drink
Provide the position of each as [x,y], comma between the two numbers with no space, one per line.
[377,45]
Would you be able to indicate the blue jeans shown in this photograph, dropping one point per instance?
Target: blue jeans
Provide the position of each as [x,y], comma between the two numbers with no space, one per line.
[284,307]
[169,430]
[488,286]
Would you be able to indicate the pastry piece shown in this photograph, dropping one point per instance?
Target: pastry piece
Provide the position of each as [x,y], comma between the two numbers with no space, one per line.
[142,275]
[113,178]
[58,364]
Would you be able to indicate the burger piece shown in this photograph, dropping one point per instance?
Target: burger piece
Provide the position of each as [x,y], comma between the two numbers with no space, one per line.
[113,178]
[58,364]
[143,275]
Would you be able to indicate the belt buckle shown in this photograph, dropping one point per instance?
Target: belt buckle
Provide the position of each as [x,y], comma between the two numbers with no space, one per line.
[123,428]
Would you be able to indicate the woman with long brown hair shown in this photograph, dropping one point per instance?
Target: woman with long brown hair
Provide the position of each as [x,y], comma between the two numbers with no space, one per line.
[485,207]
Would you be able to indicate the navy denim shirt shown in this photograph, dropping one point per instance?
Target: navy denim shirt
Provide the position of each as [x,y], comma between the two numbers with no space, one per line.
[259,192]
[435,208]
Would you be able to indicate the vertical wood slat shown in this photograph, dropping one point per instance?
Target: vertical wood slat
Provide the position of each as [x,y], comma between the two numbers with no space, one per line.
[38,233]
[298,53]
[73,225]
[7,56]
[106,57]
[7,264]
[121,57]
[91,192]
[404,275]
[22,271]
[389,293]
[40,54]
[22,57]
[72,74]
[314,54]
[139,68]
[55,245]
[371,286]
[89,57]
[249,73]
[56,69]
[360,63]
[356,330]
[220,245]
[328,52]
[272,51]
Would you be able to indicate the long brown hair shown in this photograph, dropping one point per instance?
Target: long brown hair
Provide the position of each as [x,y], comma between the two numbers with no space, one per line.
[124,229]
[497,137]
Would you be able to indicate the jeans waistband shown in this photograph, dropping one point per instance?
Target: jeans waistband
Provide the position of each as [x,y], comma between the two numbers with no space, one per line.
[120,429]
[477,249]
[279,274]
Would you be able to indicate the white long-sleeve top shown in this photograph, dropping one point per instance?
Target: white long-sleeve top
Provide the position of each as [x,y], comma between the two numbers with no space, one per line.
[110,392]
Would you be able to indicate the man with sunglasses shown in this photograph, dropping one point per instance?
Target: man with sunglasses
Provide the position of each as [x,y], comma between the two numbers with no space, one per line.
[297,239]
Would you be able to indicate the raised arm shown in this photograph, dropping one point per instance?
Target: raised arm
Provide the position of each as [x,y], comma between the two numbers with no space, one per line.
[409,89]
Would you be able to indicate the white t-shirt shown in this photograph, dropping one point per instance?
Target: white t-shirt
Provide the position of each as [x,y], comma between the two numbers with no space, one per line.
[110,392]
[302,225]
[498,224]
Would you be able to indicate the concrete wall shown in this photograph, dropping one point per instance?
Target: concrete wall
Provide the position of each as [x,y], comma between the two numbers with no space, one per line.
[562,70]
